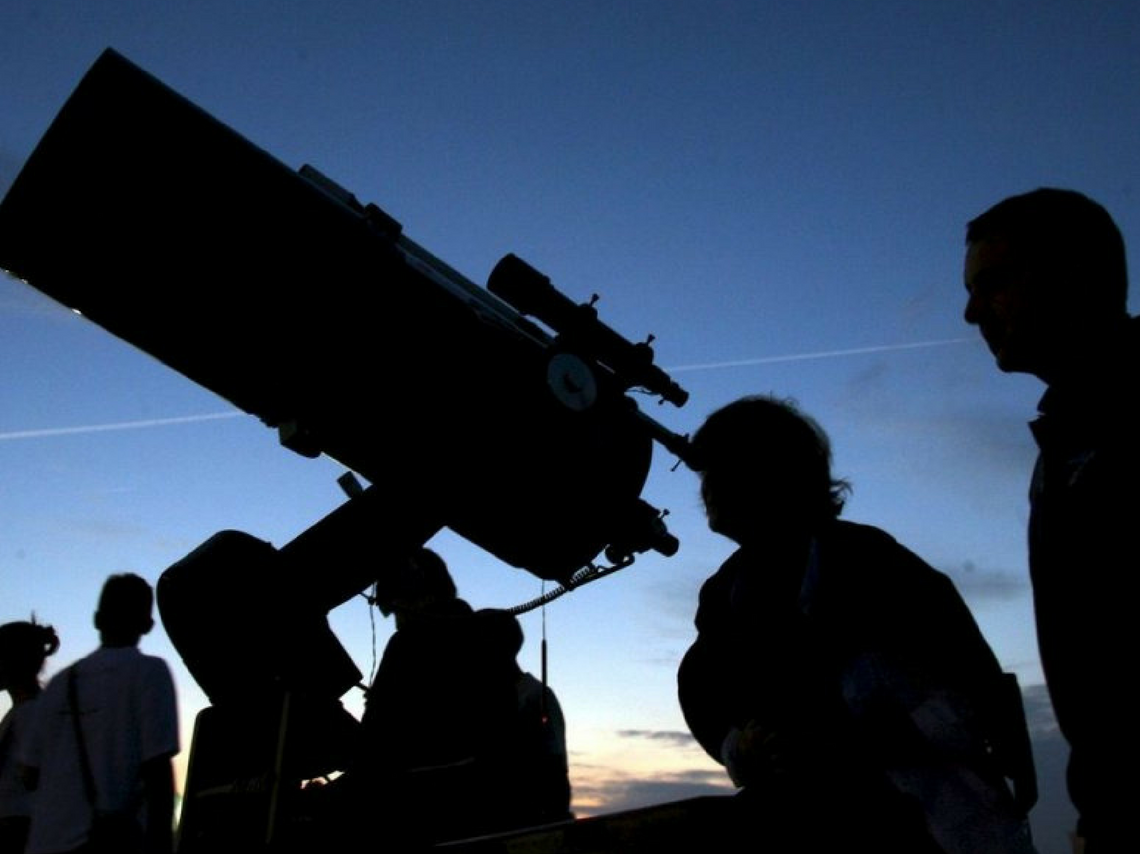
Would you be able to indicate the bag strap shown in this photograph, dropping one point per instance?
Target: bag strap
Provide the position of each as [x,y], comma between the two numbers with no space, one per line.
[84,762]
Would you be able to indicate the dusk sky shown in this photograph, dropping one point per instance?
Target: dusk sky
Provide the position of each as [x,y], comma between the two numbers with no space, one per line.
[777,191]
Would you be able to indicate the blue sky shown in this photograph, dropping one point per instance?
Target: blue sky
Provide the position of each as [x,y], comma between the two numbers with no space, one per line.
[777,191]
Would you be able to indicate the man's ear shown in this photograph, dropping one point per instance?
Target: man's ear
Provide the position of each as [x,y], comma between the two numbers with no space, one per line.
[148,626]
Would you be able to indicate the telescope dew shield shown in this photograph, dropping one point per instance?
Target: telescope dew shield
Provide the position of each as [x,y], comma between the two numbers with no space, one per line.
[179,236]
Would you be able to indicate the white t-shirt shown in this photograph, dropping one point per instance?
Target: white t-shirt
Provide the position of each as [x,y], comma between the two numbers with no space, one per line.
[128,713]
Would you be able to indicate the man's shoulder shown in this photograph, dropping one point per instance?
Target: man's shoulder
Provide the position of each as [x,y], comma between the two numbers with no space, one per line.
[856,538]
[1108,397]
[154,664]
[56,686]
[151,660]
[874,557]
[126,660]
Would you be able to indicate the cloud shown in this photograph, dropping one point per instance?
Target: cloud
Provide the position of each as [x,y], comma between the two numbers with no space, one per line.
[996,432]
[105,528]
[975,584]
[617,792]
[603,790]
[673,737]
[984,439]
[1039,711]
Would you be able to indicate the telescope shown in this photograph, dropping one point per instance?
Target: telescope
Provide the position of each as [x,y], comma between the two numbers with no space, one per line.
[502,413]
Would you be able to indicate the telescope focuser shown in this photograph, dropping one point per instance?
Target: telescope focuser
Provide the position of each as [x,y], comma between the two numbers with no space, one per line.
[644,529]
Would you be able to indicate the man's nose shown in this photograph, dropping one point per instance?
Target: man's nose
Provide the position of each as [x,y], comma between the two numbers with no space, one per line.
[970,314]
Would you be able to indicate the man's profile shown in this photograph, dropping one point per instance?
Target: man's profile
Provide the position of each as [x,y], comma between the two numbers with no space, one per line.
[1047,286]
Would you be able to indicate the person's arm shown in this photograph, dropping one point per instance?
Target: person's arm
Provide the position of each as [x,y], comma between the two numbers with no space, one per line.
[158,742]
[966,665]
[28,753]
[158,793]
[701,682]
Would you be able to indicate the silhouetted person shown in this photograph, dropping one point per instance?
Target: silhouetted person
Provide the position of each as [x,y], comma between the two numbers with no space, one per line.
[24,646]
[125,735]
[1047,288]
[841,680]
[444,756]
[531,767]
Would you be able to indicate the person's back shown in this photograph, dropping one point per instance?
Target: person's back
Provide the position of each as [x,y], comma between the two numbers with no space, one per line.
[418,712]
[541,777]
[471,743]
[924,690]
[105,732]
[525,764]
[441,723]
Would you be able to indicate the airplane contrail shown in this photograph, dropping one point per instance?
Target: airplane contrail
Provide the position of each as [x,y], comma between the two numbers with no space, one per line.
[120,425]
[707,366]
[823,354]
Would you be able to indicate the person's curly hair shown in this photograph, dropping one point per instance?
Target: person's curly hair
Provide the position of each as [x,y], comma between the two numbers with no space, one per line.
[25,646]
[750,428]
